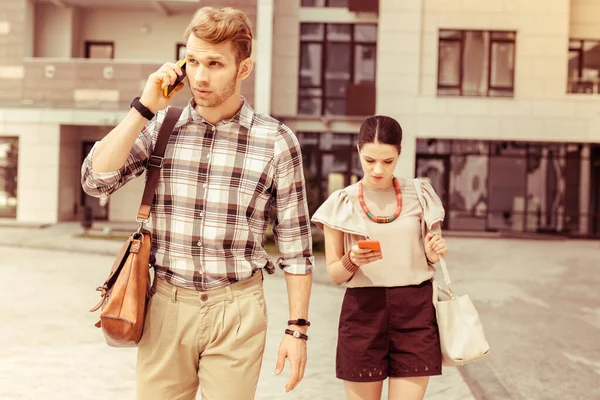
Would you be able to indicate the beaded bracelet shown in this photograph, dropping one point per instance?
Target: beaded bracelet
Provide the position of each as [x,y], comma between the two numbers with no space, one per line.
[348,264]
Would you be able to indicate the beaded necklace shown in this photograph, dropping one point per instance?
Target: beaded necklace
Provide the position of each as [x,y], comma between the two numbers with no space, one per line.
[375,218]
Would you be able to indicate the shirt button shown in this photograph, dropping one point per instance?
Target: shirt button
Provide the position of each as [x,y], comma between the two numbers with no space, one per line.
[204,297]
[208,156]
[201,214]
[199,243]
[204,186]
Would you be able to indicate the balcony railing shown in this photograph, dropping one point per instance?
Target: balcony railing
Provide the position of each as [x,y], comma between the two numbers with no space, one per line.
[87,84]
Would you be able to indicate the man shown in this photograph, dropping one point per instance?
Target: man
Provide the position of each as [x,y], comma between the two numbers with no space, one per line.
[224,170]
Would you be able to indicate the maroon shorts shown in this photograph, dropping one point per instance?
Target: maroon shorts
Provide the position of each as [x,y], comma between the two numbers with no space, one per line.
[388,332]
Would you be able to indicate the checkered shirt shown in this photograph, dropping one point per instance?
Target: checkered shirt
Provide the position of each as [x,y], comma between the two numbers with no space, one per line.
[216,189]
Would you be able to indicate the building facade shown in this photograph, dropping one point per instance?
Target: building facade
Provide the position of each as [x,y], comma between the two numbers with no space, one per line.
[499,101]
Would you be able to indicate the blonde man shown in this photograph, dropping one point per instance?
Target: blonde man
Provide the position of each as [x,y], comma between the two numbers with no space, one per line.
[224,170]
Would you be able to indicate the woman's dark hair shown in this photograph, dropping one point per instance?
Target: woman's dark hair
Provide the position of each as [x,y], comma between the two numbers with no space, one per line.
[381,129]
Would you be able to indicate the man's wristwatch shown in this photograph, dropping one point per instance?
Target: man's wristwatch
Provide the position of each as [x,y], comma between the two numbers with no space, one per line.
[142,109]
[296,334]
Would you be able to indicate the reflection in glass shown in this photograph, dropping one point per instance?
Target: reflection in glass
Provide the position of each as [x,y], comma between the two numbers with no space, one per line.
[470,147]
[338,59]
[433,171]
[335,107]
[310,64]
[9,154]
[310,31]
[365,33]
[545,189]
[503,65]
[433,146]
[469,197]
[591,61]
[364,64]
[339,32]
[475,67]
[449,73]
[506,194]
[336,87]
[308,106]
[330,162]
[313,3]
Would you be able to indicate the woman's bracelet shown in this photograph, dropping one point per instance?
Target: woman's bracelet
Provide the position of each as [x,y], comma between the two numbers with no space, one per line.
[348,264]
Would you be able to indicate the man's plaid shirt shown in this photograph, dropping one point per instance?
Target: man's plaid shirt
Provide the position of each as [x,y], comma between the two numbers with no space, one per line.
[212,201]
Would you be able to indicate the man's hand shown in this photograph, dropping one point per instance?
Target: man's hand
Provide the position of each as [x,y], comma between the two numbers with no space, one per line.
[295,351]
[152,96]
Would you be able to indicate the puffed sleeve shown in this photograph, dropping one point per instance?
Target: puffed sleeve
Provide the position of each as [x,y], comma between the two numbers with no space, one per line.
[433,210]
[338,212]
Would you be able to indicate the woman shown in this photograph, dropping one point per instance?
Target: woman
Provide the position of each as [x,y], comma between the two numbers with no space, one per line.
[387,323]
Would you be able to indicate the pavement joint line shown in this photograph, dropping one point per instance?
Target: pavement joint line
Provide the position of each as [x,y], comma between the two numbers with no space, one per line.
[483,382]
[109,254]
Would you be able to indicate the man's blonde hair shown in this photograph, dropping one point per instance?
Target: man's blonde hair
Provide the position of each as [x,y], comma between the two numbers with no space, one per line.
[218,25]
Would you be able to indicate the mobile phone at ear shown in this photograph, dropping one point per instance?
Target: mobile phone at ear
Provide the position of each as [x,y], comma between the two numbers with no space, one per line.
[374,245]
[167,91]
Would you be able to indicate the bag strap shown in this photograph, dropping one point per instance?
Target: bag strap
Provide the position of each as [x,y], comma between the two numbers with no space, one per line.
[155,163]
[450,293]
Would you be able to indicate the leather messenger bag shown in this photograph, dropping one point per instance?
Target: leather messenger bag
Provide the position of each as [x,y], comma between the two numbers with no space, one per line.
[125,293]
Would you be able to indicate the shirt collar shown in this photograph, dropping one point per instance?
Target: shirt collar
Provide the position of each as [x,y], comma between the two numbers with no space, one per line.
[243,116]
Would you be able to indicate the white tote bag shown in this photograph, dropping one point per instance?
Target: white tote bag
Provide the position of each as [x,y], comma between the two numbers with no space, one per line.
[461,334]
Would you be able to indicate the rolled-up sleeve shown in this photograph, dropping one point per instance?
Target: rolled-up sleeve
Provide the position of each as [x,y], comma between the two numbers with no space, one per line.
[102,184]
[292,228]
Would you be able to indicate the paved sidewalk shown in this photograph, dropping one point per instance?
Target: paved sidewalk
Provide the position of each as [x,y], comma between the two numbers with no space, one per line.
[54,352]
[538,301]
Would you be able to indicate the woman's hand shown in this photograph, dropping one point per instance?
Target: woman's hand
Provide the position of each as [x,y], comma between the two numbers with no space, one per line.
[361,257]
[435,247]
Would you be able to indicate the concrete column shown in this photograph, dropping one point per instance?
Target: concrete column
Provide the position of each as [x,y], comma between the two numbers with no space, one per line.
[263,58]
[584,191]
[405,168]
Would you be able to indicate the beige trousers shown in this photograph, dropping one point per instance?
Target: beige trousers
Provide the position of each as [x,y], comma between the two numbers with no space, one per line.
[212,339]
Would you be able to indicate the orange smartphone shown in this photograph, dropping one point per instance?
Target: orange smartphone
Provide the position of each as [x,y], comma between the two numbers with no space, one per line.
[167,91]
[374,245]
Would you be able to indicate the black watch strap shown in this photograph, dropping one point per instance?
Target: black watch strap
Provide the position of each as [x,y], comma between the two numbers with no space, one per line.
[296,334]
[299,322]
[142,109]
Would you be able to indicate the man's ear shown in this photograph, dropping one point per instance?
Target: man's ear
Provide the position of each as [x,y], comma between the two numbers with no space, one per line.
[245,68]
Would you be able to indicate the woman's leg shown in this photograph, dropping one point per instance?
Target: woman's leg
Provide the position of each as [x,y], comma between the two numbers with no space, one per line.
[408,388]
[362,350]
[363,390]
[415,352]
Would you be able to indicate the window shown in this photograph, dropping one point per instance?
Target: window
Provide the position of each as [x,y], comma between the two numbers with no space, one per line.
[330,163]
[512,186]
[9,154]
[476,63]
[584,66]
[324,3]
[179,51]
[333,56]
[99,49]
